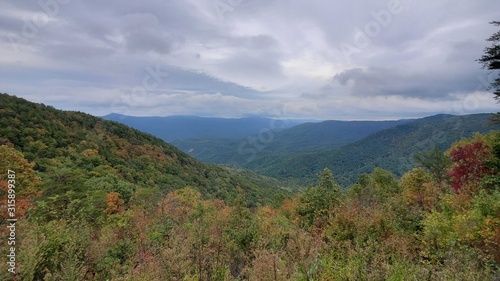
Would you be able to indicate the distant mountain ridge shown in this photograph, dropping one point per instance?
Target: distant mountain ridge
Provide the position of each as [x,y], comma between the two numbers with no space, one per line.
[331,133]
[303,137]
[298,153]
[181,127]
[347,148]
[391,149]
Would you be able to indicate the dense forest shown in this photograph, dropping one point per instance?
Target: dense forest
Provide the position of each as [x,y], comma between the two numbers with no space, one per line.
[96,200]
[347,148]
[76,152]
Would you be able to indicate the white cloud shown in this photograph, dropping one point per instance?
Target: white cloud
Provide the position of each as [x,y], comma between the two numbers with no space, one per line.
[251,58]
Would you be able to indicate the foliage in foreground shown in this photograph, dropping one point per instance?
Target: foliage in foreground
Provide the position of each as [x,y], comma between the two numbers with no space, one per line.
[419,227]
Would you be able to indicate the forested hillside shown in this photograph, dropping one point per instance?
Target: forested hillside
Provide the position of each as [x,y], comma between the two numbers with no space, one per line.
[77,154]
[303,137]
[278,141]
[392,149]
[291,155]
[96,200]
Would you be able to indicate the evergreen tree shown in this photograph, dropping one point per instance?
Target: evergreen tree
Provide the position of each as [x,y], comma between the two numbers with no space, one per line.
[491,61]
[435,162]
[316,203]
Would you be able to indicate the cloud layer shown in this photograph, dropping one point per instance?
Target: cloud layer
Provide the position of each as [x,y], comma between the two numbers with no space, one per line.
[231,58]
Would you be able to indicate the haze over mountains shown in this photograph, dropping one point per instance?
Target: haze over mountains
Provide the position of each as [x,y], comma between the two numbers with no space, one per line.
[106,196]
[181,127]
[298,150]
[293,151]
[391,149]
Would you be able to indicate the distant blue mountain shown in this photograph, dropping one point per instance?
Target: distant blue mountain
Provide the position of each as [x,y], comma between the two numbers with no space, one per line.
[298,139]
[328,134]
[391,149]
[348,148]
[181,127]
[301,149]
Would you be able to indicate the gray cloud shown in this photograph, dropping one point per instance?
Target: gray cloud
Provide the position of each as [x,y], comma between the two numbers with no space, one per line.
[250,57]
[435,83]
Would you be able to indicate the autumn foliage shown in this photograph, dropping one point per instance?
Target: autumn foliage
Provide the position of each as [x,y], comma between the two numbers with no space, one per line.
[98,201]
[381,228]
[114,204]
[470,163]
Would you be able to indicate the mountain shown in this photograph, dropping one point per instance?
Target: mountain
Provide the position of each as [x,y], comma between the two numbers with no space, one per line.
[327,134]
[348,148]
[307,136]
[77,154]
[188,127]
[90,199]
[390,149]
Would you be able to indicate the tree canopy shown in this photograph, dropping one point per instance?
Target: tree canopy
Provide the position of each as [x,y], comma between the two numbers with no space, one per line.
[104,202]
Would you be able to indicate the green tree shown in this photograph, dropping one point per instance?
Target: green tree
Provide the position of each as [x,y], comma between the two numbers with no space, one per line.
[435,162]
[315,204]
[418,189]
[111,183]
[491,61]
[376,187]
[241,234]
[327,181]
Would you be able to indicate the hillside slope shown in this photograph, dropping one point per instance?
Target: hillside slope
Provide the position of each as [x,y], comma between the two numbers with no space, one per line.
[347,148]
[327,134]
[76,152]
[390,149]
[303,137]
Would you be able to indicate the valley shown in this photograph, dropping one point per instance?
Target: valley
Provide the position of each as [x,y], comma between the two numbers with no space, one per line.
[231,140]
[98,200]
[296,153]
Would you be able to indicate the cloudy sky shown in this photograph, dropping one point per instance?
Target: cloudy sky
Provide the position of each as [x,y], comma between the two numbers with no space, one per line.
[316,59]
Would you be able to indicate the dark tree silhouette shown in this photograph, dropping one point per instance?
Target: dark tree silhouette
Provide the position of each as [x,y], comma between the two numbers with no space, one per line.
[491,61]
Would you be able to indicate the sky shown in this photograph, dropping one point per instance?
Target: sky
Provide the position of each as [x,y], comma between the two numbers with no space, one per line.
[316,59]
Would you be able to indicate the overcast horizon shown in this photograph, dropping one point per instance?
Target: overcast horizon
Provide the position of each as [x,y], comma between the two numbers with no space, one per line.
[360,60]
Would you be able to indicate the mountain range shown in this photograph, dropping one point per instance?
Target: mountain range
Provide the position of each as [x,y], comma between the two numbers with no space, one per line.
[98,200]
[284,152]
[181,127]
[392,149]
[298,152]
